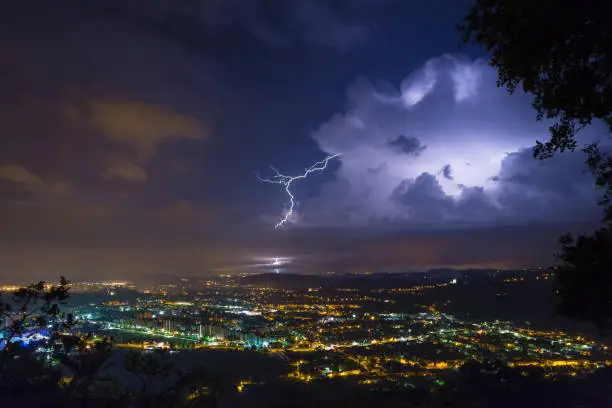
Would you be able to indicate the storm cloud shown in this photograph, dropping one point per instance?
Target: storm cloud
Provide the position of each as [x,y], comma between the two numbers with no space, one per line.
[406,145]
[477,167]
[447,172]
[130,132]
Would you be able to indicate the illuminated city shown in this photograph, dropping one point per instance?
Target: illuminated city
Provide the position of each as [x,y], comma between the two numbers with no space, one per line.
[306,204]
[404,335]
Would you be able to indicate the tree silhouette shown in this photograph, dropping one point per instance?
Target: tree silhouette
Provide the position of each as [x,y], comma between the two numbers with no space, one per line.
[560,52]
[36,305]
[585,278]
[80,379]
[26,380]
[86,367]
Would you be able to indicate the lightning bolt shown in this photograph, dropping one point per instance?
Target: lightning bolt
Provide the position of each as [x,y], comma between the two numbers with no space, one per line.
[286,181]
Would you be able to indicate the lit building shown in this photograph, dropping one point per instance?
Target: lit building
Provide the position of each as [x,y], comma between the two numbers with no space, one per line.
[170,325]
[215,332]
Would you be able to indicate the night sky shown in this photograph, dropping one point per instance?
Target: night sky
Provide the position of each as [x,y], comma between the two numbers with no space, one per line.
[131,132]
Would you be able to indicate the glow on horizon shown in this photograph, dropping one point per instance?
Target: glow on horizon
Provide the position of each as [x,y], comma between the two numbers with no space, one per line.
[273,262]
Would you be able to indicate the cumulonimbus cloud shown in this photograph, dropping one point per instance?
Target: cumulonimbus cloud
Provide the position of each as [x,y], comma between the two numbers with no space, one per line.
[477,166]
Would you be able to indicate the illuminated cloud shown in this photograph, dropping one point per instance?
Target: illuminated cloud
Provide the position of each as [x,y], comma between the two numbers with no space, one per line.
[127,171]
[466,80]
[419,85]
[477,166]
[116,88]
[140,125]
[32,183]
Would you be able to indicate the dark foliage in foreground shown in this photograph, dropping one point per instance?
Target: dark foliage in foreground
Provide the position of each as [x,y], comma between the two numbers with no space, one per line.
[560,52]
[37,306]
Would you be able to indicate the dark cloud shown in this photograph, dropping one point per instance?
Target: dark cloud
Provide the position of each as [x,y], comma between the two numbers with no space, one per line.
[92,107]
[423,198]
[342,24]
[409,145]
[527,190]
[560,188]
[96,96]
[423,201]
[447,172]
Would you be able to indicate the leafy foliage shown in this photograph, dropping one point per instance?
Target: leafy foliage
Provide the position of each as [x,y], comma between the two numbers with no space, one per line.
[147,368]
[585,280]
[560,52]
[600,165]
[79,380]
[25,380]
[35,305]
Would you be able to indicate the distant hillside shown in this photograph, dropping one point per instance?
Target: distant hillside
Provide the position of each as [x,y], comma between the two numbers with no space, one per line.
[380,280]
[101,296]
